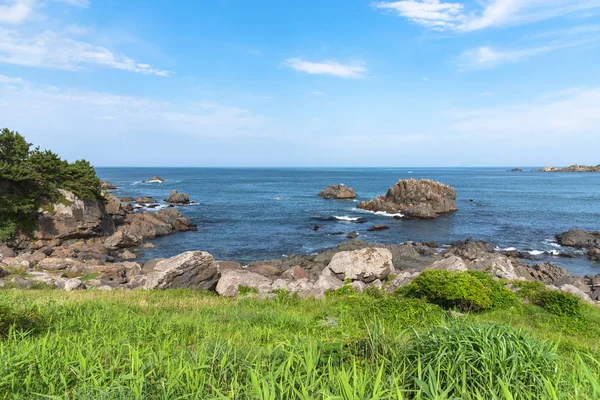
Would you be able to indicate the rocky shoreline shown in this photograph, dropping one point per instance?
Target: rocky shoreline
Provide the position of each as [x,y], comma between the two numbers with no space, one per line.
[93,244]
[572,168]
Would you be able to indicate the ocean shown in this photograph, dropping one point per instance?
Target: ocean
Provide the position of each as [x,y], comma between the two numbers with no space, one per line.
[253,213]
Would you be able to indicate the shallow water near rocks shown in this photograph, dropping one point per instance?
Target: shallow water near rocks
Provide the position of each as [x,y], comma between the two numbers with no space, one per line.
[251,214]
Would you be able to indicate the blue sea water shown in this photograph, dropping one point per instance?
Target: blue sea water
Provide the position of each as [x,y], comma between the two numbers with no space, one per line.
[251,214]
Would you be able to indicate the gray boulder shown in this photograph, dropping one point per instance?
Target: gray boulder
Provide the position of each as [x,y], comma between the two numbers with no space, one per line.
[231,280]
[189,270]
[121,240]
[579,239]
[364,265]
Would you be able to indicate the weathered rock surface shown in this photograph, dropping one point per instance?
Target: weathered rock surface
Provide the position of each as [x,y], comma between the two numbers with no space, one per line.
[364,265]
[418,199]
[190,270]
[121,240]
[178,198]
[579,239]
[106,185]
[151,225]
[74,219]
[376,228]
[231,280]
[295,274]
[339,192]
[452,263]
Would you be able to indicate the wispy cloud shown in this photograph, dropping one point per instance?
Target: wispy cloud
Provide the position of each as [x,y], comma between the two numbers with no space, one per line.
[557,115]
[326,68]
[445,15]
[16,11]
[30,107]
[53,50]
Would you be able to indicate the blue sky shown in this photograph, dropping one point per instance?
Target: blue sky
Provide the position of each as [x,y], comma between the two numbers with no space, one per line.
[304,83]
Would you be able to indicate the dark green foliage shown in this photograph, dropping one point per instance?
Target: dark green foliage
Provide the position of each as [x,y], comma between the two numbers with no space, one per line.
[29,179]
[467,358]
[555,301]
[23,320]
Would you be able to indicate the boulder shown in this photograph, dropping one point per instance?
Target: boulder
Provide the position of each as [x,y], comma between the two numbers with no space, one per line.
[352,235]
[227,265]
[59,264]
[21,282]
[231,280]
[127,199]
[295,274]
[327,283]
[73,284]
[579,239]
[113,205]
[73,218]
[190,270]
[576,292]
[128,255]
[364,265]
[145,199]
[378,228]
[419,199]
[403,278]
[452,263]
[178,198]
[6,251]
[266,270]
[339,192]
[121,240]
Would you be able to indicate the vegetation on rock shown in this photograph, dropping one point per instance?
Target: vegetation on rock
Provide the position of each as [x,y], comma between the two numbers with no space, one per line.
[30,179]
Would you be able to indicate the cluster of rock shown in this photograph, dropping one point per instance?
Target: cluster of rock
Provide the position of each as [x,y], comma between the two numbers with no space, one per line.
[580,239]
[339,192]
[515,170]
[83,237]
[154,179]
[353,263]
[572,168]
[178,198]
[414,199]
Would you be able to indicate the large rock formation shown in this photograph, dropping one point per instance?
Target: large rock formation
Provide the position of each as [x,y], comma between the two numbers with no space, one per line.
[339,192]
[364,265]
[572,168]
[419,199]
[178,198]
[190,270]
[72,218]
[151,225]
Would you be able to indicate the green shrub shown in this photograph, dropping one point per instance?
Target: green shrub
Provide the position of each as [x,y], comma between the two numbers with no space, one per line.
[554,301]
[450,290]
[560,303]
[23,320]
[501,297]
[245,290]
[465,358]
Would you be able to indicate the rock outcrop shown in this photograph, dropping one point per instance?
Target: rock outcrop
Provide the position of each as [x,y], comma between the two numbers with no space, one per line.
[231,280]
[152,225]
[178,198]
[72,218]
[154,179]
[418,199]
[339,192]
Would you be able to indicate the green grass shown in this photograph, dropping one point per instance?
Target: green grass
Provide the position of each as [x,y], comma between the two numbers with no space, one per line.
[195,345]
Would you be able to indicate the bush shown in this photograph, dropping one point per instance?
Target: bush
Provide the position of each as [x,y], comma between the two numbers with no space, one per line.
[466,358]
[450,290]
[24,320]
[30,179]
[554,301]
[501,297]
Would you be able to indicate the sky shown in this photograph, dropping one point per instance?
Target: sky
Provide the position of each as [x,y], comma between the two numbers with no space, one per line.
[304,83]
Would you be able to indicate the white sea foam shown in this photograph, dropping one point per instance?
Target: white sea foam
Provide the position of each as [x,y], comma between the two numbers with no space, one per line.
[154,181]
[505,249]
[279,198]
[379,213]
[346,218]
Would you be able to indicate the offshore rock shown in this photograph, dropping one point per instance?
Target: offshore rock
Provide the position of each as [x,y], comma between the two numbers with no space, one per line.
[339,192]
[416,199]
[178,198]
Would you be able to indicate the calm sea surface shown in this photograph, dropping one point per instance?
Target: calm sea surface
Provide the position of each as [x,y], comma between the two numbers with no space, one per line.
[251,214]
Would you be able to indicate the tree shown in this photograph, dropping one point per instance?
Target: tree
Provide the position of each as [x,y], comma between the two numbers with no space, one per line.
[30,179]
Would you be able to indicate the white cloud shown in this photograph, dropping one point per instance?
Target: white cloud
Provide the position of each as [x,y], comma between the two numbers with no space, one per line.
[15,11]
[52,50]
[326,68]
[27,106]
[485,57]
[562,115]
[443,15]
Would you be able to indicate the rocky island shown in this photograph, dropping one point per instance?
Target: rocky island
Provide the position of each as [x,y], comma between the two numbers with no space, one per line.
[572,168]
[340,192]
[414,199]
